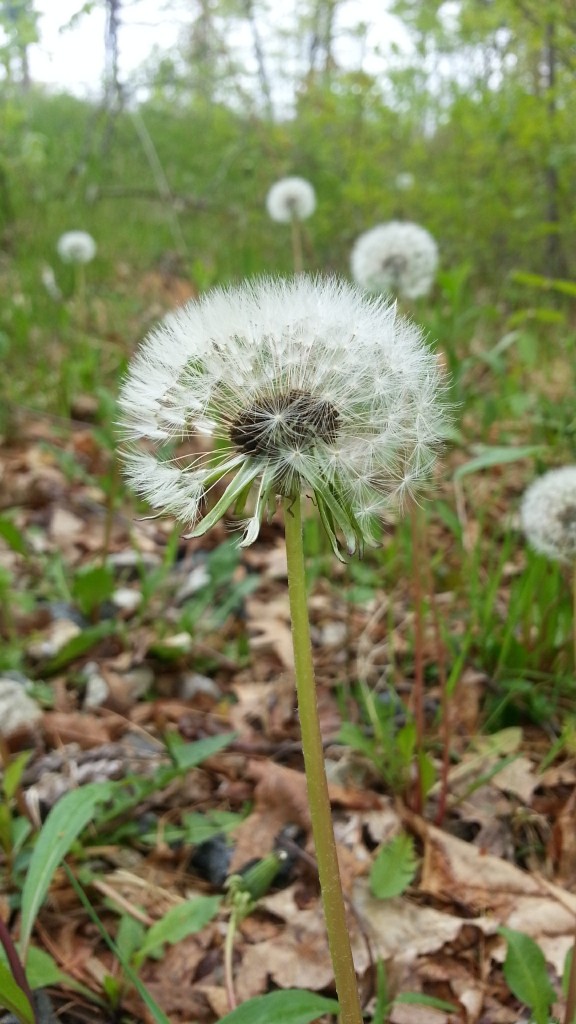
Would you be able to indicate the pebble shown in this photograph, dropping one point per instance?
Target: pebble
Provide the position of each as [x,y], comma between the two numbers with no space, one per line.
[17,710]
[192,684]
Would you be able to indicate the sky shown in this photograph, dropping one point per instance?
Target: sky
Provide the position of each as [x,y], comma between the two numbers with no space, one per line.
[72,57]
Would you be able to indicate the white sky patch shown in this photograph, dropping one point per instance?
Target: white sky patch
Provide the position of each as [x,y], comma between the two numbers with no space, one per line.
[71,53]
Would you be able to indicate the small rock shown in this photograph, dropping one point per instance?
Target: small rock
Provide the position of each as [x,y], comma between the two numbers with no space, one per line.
[333,634]
[17,710]
[97,689]
[192,684]
[138,681]
[53,640]
[127,600]
[195,581]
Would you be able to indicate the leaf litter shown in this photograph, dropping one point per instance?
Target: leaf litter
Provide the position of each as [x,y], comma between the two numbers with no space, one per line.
[505,854]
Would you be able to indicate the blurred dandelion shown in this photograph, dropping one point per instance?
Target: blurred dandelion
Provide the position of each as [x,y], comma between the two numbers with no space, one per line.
[405,181]
[398,257]
[77,248]
[548,514]
[290,201]
[305,386]
[548,518]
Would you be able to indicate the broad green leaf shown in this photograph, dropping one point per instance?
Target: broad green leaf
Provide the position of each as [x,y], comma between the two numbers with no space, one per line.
[93,586]
[394,868]
[13,773]
[418,998]
[291,1006]
[200,827]
[496,456]
[64,823]
[188,755]
[12,997]
[130,936]
[13,537]
[526,974]
[183,920]
[42,970]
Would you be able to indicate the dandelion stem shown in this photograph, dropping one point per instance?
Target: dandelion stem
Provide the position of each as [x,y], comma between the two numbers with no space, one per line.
[318,798]
[297,254]
[574,611]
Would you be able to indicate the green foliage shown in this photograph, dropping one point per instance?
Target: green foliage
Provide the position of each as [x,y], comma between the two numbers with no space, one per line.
[92,586]
[62,826]
[526,973]
[179,922]
[12,997]
[394,867]
[289,1006]
[386,737]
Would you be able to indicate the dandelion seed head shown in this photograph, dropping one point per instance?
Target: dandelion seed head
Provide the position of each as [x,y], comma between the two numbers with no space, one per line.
[399,258]
[291,198]
[548,514]
[76,247]
[308,384]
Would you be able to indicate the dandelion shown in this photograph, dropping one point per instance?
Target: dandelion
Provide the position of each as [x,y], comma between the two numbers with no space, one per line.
[398,257]
[302,385]
[404,181]
[290,201]
[76,247]
[548,518]
[305,386]
[291,198]
[548,514]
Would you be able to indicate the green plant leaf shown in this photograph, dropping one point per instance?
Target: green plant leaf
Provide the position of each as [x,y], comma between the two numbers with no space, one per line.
[12,997]
[181,921]
[43,971]
[418,998]
[291,1006]
[13,773]
[93,586]
[496,456]
[64,823]
[526,974]
[394,868]
[13,537]
[188,755]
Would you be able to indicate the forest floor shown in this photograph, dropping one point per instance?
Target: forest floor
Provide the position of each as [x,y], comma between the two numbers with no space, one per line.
[192,638]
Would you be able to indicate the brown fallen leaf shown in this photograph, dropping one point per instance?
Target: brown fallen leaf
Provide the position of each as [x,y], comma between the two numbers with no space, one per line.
[457,871]
[269,626]
[79,727]
[298,956]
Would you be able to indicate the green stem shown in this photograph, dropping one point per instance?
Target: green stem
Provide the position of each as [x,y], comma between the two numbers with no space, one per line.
[228,960]
[318,797]
[574,613]
[297,254]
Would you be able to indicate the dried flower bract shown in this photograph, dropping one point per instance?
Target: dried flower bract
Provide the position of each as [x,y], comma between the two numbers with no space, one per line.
[304,385]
